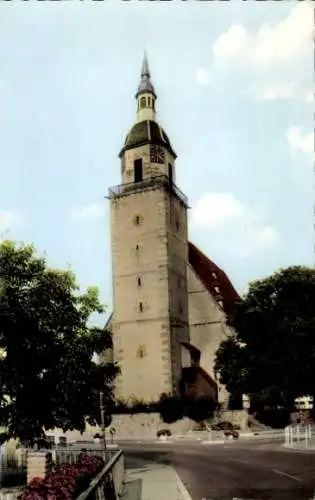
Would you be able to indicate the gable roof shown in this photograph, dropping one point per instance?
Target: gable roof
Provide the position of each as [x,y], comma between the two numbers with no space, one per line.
[214,279]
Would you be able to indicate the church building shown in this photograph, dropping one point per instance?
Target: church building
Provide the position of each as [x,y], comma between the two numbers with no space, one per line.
[169,300]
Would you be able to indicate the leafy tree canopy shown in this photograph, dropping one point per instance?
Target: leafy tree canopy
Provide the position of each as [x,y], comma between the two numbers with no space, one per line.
[47,376]
[272,353]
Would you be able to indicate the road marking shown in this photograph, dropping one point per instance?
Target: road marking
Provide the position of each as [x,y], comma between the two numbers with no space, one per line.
[276,471]
[239,460]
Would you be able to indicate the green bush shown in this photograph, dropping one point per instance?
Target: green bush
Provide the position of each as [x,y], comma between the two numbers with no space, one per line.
[171,408]
[199,408]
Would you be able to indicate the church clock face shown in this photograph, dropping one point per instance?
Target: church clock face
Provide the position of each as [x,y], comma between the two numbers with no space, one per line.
[157,154]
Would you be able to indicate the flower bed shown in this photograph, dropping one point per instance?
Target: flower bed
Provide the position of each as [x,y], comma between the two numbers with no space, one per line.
[66,482]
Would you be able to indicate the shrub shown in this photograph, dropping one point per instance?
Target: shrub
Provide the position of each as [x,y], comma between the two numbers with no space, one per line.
[134,406]
[276,419]
[199,408]
[171,408]
[67,482]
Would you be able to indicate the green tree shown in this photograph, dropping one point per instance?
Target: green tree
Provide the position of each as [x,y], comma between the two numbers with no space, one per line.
[47,376]
[272,353]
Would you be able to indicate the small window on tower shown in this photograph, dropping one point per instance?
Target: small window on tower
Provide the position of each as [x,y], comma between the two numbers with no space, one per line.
[142,102]
[137,246]
[139,282]
[177,224]
[142,352]
[149,101]
[140,306]
[137,219]
[138,170]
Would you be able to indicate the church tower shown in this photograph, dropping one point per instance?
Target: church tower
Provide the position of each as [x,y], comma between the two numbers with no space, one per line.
[149,258]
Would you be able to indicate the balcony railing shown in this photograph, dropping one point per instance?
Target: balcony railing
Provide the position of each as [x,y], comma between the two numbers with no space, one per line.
[157,181]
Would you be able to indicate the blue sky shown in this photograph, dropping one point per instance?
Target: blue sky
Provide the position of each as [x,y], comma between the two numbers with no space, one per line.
[234,83]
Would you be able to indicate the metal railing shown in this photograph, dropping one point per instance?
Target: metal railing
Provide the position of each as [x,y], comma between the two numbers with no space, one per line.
[299,436]
[158,181]
[13,464]
[108,484]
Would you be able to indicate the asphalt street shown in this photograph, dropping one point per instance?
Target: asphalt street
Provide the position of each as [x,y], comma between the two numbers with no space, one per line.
[242,470]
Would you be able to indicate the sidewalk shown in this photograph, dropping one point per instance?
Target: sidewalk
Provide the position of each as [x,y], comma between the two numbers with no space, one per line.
[150,481]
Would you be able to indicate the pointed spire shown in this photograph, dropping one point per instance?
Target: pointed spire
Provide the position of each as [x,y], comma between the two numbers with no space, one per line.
[145,84]
[145,67]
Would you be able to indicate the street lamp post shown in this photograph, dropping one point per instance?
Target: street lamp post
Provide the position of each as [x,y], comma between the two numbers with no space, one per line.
[97,360]
[102,410]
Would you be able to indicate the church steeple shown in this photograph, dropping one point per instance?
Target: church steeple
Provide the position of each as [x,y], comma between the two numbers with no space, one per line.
[145,94]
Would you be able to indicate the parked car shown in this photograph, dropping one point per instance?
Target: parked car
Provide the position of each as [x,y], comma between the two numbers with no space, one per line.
[225,426]
[163,432]
[232,434]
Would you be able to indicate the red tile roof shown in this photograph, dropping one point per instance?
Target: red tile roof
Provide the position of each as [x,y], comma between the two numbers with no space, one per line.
[189,376]
[213,277]
[196,368]
[207,377]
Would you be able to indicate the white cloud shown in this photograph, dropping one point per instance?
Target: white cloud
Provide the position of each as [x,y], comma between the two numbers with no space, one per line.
[241,229]
[203,76]
[270,44]
[309,96]
[280,90]
[91,211]
[270,92]
[9,219]
[300,142]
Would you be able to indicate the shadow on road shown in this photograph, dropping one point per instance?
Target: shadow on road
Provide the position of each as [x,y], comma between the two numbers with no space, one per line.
[137,461]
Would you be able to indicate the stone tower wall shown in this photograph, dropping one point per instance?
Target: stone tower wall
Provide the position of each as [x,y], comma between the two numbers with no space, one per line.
[145,343]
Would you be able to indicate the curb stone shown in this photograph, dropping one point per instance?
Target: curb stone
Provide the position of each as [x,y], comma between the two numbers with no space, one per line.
[182,488]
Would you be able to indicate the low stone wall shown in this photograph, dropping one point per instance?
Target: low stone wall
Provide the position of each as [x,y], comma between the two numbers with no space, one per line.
[146,425]
[141,425]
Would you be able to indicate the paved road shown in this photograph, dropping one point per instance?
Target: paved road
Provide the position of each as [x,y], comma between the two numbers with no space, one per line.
[248,471]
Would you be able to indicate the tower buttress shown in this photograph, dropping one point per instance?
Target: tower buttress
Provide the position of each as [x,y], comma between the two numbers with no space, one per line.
[149,258]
